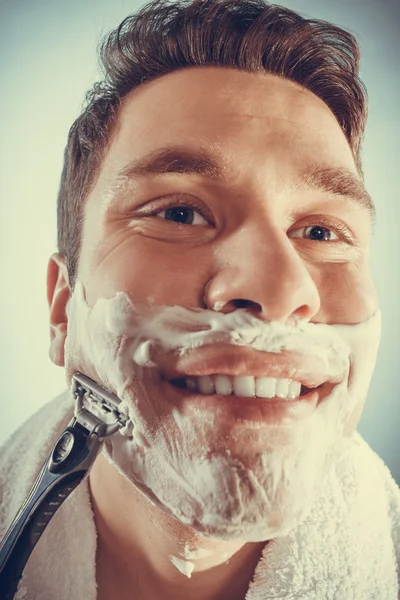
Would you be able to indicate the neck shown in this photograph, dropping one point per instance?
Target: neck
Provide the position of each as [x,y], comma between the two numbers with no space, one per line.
[143,551]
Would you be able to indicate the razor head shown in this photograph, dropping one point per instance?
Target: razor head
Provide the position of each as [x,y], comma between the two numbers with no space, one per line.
[97,409]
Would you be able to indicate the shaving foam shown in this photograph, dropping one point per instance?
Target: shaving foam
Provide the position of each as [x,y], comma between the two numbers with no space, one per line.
[184,566]
[225,479]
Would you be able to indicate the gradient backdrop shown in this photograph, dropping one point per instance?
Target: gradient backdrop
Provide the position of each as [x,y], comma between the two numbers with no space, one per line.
[47,61]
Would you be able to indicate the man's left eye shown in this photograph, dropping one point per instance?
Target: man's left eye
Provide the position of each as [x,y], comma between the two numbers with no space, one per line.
[316,233]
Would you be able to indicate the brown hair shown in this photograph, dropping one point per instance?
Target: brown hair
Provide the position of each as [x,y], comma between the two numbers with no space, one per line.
[251,35]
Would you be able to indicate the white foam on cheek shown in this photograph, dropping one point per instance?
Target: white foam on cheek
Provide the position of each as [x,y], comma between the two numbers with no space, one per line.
[363,341]
[231,492]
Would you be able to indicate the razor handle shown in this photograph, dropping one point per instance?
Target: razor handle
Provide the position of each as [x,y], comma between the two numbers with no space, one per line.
[68,464]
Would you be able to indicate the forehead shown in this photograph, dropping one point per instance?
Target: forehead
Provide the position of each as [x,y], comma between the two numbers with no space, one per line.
[235,93]
[249,118]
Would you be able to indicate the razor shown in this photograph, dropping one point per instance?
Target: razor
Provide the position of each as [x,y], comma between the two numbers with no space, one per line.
[96,417]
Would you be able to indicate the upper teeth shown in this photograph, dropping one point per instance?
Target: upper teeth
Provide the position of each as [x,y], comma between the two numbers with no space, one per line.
[247,385]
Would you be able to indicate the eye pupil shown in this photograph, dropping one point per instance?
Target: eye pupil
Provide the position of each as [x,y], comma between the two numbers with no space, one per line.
[180,214]
[319,233]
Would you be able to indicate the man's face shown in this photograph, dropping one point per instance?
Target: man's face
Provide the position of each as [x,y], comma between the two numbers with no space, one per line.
[277,226]
[248,239]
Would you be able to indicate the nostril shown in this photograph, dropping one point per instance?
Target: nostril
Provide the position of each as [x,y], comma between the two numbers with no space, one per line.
[242,303]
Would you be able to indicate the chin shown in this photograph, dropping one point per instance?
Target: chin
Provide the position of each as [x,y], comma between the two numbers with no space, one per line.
[230,495]
[255,522]
[259,504]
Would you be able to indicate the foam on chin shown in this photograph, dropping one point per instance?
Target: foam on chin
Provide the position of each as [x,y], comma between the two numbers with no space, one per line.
[224,479]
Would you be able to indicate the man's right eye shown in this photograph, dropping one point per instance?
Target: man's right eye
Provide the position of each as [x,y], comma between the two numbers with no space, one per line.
[184,215]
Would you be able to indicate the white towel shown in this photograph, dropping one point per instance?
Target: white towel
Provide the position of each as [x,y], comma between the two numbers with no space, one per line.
[348,548]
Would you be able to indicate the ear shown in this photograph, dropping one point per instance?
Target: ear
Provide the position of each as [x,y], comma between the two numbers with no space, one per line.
[58,294]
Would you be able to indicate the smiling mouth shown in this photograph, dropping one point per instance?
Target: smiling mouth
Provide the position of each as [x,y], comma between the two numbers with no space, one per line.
[243,386]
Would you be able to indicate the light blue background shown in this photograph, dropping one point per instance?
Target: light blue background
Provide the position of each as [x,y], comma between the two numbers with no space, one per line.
[47,61]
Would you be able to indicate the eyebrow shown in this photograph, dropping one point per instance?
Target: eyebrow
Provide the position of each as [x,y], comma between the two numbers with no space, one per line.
[174,160]
[339,181]
[201,162]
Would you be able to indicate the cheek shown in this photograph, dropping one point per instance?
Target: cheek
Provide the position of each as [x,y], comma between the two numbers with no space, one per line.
[347,292]
[152,272]
[353,419]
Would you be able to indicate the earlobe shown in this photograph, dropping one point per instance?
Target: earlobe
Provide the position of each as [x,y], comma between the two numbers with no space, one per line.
[58,294]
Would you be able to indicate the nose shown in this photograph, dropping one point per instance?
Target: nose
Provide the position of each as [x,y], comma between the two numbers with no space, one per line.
[265,275]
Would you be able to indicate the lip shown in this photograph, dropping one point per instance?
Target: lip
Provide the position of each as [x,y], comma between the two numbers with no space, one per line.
[235,361]
[268,411]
